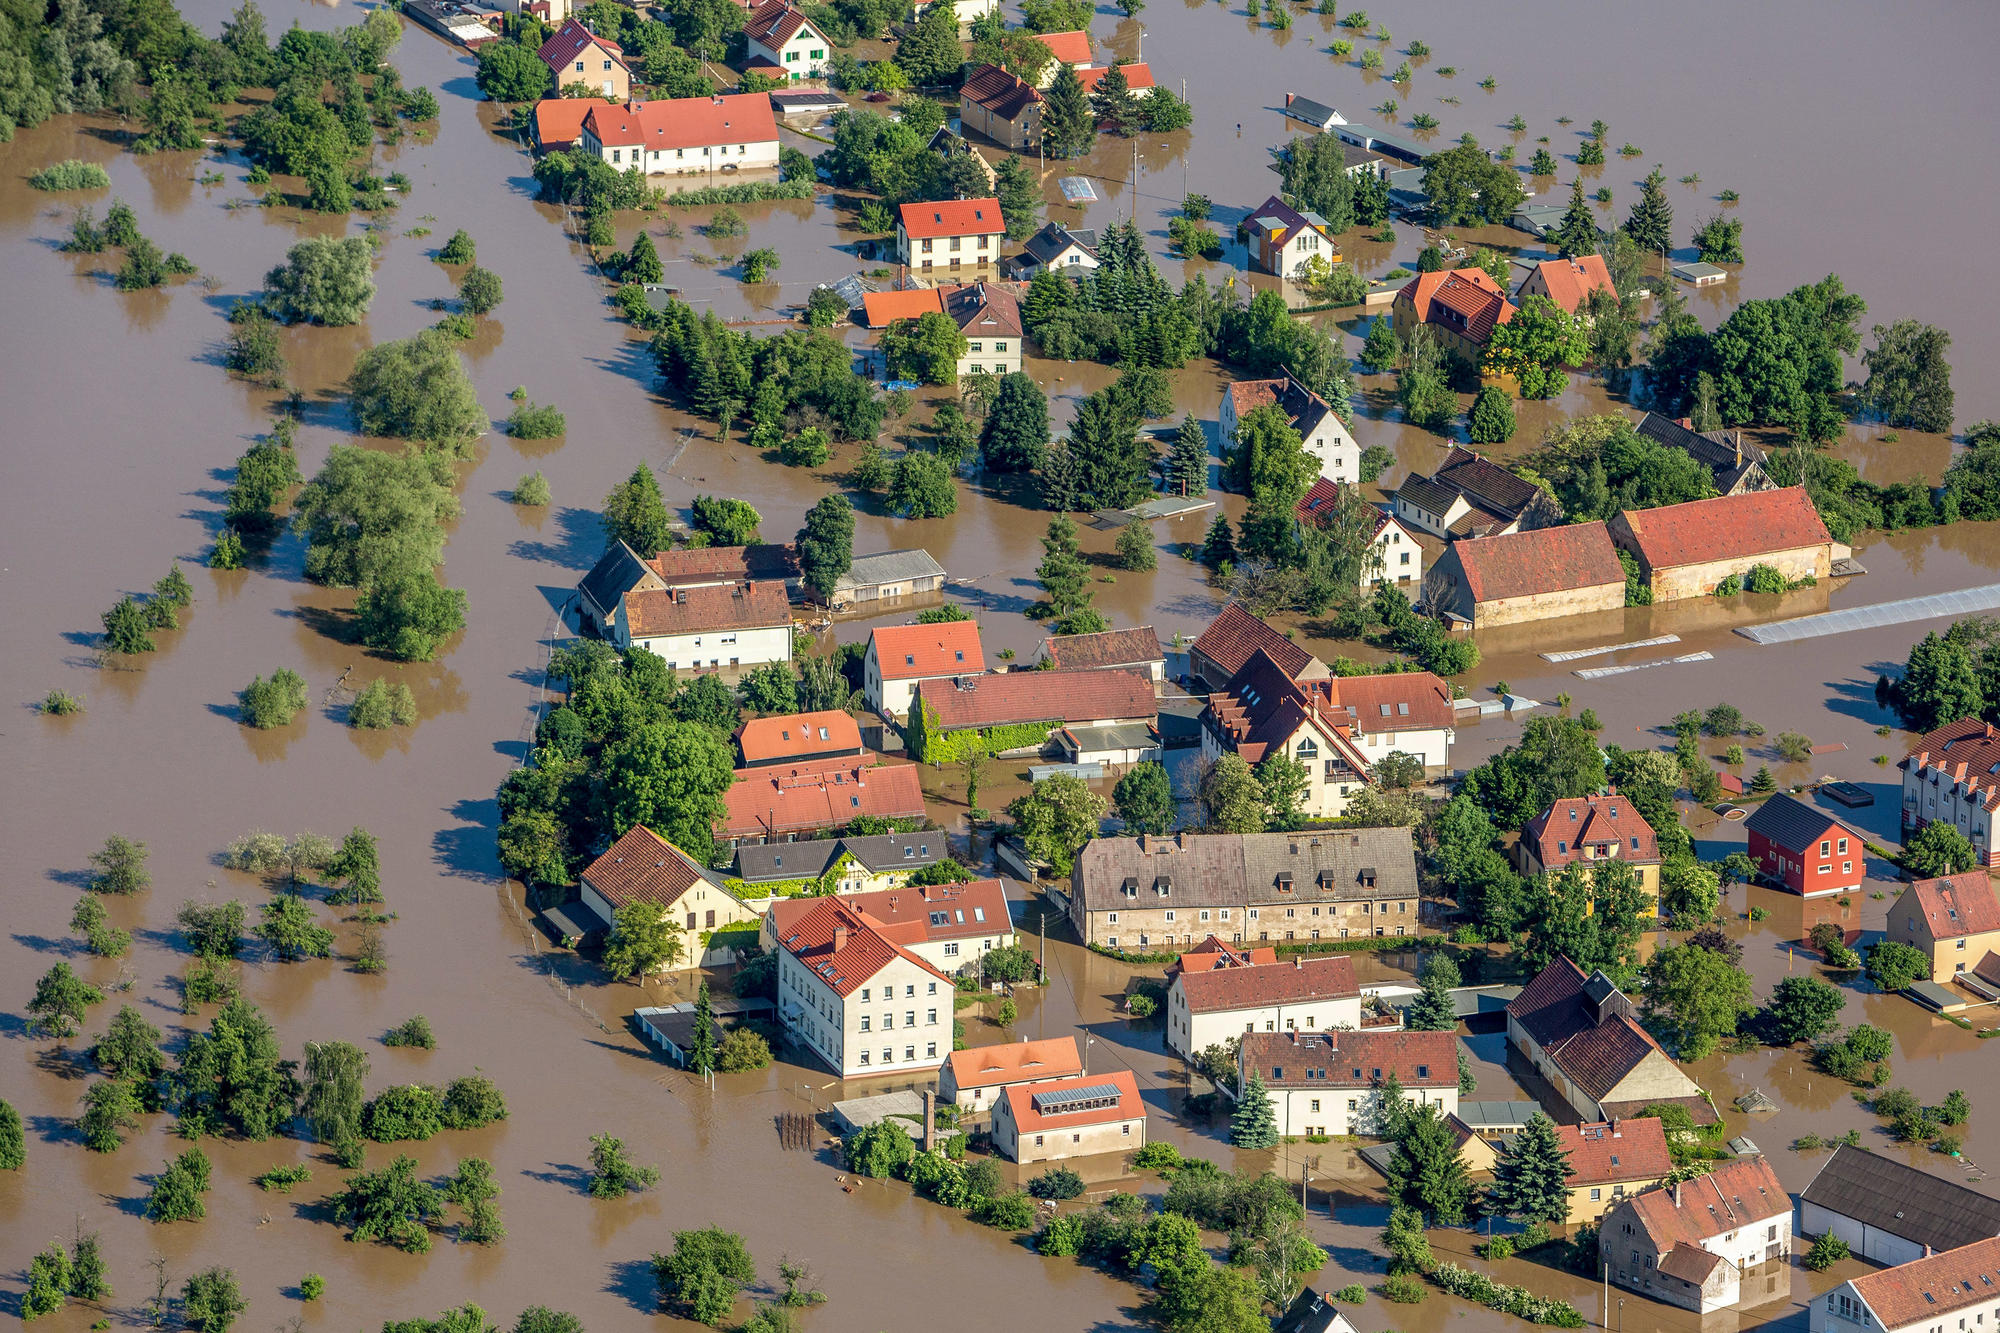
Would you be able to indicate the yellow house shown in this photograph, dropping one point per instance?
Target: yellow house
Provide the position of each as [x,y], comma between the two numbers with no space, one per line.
[643,867]
[1954,920]
[1591,829]
[1611,1160]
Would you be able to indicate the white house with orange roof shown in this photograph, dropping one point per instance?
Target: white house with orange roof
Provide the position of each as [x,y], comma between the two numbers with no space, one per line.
[863,1003]
[1323,433]
[1243,993]
[1950,774]
[973,1079]
[780,41]
[1397,557]
[1138,77]
[949,926]
[1694,1244]
[949,235]
[576,55]
[900,657]
[1948,1290]
[1071,1117]
[1069,48]
[684,135]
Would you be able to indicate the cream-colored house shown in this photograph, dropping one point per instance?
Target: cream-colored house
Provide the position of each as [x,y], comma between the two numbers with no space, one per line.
[718,627]
[949,926]
[1211,1006]
[643,867]
[1330,1083]
[1688,550]
[1522,576]
[1397,558]
[861,1002]
[1954,920]
[1579,1034]
[974,1078]
[1950,775]
[1072,1117]
[1609,1160]
[947,237]
[1283,239]
[684,135]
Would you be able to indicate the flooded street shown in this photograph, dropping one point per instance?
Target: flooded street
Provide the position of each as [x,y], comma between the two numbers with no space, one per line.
[122,428]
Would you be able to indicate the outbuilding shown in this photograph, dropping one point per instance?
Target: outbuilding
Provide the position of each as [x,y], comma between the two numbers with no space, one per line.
[1689,550]
[1890,1212]
[1522,576]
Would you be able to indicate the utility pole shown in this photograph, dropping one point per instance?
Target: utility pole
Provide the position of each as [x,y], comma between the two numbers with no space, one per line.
[1042,967]
[1135,179]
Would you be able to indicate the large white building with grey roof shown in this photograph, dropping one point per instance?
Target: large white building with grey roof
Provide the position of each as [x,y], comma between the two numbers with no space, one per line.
[1891,1212]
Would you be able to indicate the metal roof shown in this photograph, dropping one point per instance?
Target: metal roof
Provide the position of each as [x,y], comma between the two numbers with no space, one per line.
[1886,1194]
[1964,601]
[1496,1115]
[890,567]
[1069,1101]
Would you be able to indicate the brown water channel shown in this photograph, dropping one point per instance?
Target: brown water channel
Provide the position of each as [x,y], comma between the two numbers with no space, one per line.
[121,427]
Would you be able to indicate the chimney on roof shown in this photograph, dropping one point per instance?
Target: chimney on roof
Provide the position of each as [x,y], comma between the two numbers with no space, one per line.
[1289,97]
[1677,1194]
[1299,962]
[839,938]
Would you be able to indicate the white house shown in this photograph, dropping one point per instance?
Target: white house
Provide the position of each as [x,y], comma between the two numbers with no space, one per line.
[1693,1244]
[1949,776]
[862,1002]
[1889,1212]
[949,926]
[781,42]
[643,867]
[1953,1290]
[1217,1003]
[1398,557]
[1330,1082]
[1059,248]
[967,10]
[1283,239]
[974,1078]
[1072,1117]
[685,135]
[707,628]
[949,235]
[900,657]
[1325,436]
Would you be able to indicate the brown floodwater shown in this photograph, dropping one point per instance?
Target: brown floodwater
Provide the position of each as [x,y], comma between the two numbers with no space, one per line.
[122,428]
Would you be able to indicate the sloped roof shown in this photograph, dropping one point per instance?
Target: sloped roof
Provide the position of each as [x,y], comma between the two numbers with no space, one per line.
[1956,905]
[787,798]
[1615,1152]
[1486,482]
[659,612]
[1571,281]
[684,122]
[1353,1059]
[890,567]
[1320,499]
[1734,1195]
[881,309]
[1138,77]
[571,40]
[618,571]
[995,90]
[1262,707]
[1725,453]
[952,217]
[1559,834]
[1235,634]
[983,310]
[684,566]
[1212,953]
[1878,1191]
[1933,1287]
[1276,216]
[1026,1102]
[1966,753]
[1465,300]
[559,120]
[1015,1062]
[795,735]
[774,23]
[1726,527]
[1390,701]
[841,947]
[1048,244]
[1037,696]
[1791,823]
[1071,48]
[913,652]
[1262,869]
[1112,648]
[761,862]
[1304,409]
[643,867]
[1558,1009]
[1690,1263]
[919,914]
[1221,990]
[1538,561]
[1311,112]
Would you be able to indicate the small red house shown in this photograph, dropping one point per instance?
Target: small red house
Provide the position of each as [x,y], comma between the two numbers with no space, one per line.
[1804,848]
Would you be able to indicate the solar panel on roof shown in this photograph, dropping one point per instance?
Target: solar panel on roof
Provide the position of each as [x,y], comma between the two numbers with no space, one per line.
[1068,1101]
[1077,190]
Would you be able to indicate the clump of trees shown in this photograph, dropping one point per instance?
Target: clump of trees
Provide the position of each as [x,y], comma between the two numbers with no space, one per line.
[324,280]
[265,704]
[417,389]
[381,704]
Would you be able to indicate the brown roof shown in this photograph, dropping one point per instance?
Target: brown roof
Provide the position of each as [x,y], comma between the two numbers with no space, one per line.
[1734,1195]
[1989,968]
[920,913]
[1690,1263]
[1966,752]
[983,310]
[842,948]
[1234,635]
[792,798]
[571,40]
[658,612]
[1616,1151]
[995,90]
[1544,560]
[1391,701]
[884,308]
[1025,1102]
[773,24]
[1559,1009]
[914,652]
[1932,1287]
[1212,953]
[1038,696]
[1015,1062]
[1353,1059]
[642,867]
[683,566]
[797,735]
[1112,648]
[559,120]
[1560,833]
[1219,990]
[1571,281]
[1957,904]
[1262,707]
[952,217]
[1465,300]
[1726,527]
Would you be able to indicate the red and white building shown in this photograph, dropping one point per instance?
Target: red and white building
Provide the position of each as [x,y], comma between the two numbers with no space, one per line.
[1953,774]
[1398,556]
[900,657]
[1072,1117]
[949,926]
[949,235]
[682,136]
[1330,1082]
[974,1079]
[860,1001]
[1803,848]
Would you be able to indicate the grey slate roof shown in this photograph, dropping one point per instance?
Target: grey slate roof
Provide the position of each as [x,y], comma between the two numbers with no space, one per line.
[1054,238]
[1310,1312]
[1316,114]
[1426,494]
[1789,822]
[765,862]
[1227,869]
[890,567]
[1724,453]
[617,572]
[1880,1192]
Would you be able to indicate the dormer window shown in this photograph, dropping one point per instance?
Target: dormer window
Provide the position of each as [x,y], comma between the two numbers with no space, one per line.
[909,659]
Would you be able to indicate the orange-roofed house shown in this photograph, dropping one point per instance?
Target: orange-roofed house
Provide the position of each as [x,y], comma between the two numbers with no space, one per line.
[1398,556]
[1955,920]
[1953,774]
[1071,1117]
[785,800]
[1609,1159]
[1208,1006]
[1069,48]
[1461,306]
[780,41]
[1940,1290]
[973,1079]
[948,236]
[798,738]
[881,309]
[575,54]
[1687,550]
[716,627]
[559,121]
[1521,576]
[900,657]
[1569,282]
[643,867]
[685,135]
[1591,829]
[860,1001]
[1017,710]
[1697,1244]
[1138,77]
[1001,107]
[949,926]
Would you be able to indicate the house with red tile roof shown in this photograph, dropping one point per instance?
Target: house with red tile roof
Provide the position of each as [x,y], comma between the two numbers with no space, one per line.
[1460,306]
[783,800]
[987,313]
[782,42]
[1212,954]
[949,926]
[1071,1117]
[1111,650]
[1470,495]
[559,121]
[706,566]
[1398,556]
[1939,1290]
[1330,1082]
[863,1003]
[1693,1244]
[1210,1005]
[1016,710]
[1069,48]
[1950,774]
[1568,282]
[900,657]
[1325,436]
[1233,637]
[1803,848]
[1686,550]
[1567,570]
[881,309]
[948,236]
[1001,107]
[1591,829]
[1338,727]
[1580,1035]
[712,627]
[644,868]
[681,136]
[973,1079]
[575,54]
[1954,920]
[1138,77]
[798,738]
[1610,1159]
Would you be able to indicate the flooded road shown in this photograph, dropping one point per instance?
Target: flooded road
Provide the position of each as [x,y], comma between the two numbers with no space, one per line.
[122,428]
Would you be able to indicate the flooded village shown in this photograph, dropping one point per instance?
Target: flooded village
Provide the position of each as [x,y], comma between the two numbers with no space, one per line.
[711,760]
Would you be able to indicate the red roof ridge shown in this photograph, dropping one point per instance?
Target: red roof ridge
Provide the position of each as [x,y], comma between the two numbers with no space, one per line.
[1725,527]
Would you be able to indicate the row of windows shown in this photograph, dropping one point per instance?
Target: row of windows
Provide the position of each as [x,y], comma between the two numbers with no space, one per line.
[999,346]
[928,243]
[1125,1130]
[1379,909]
[909,1020]
[1145,938]
[909,1053]
[680,154]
